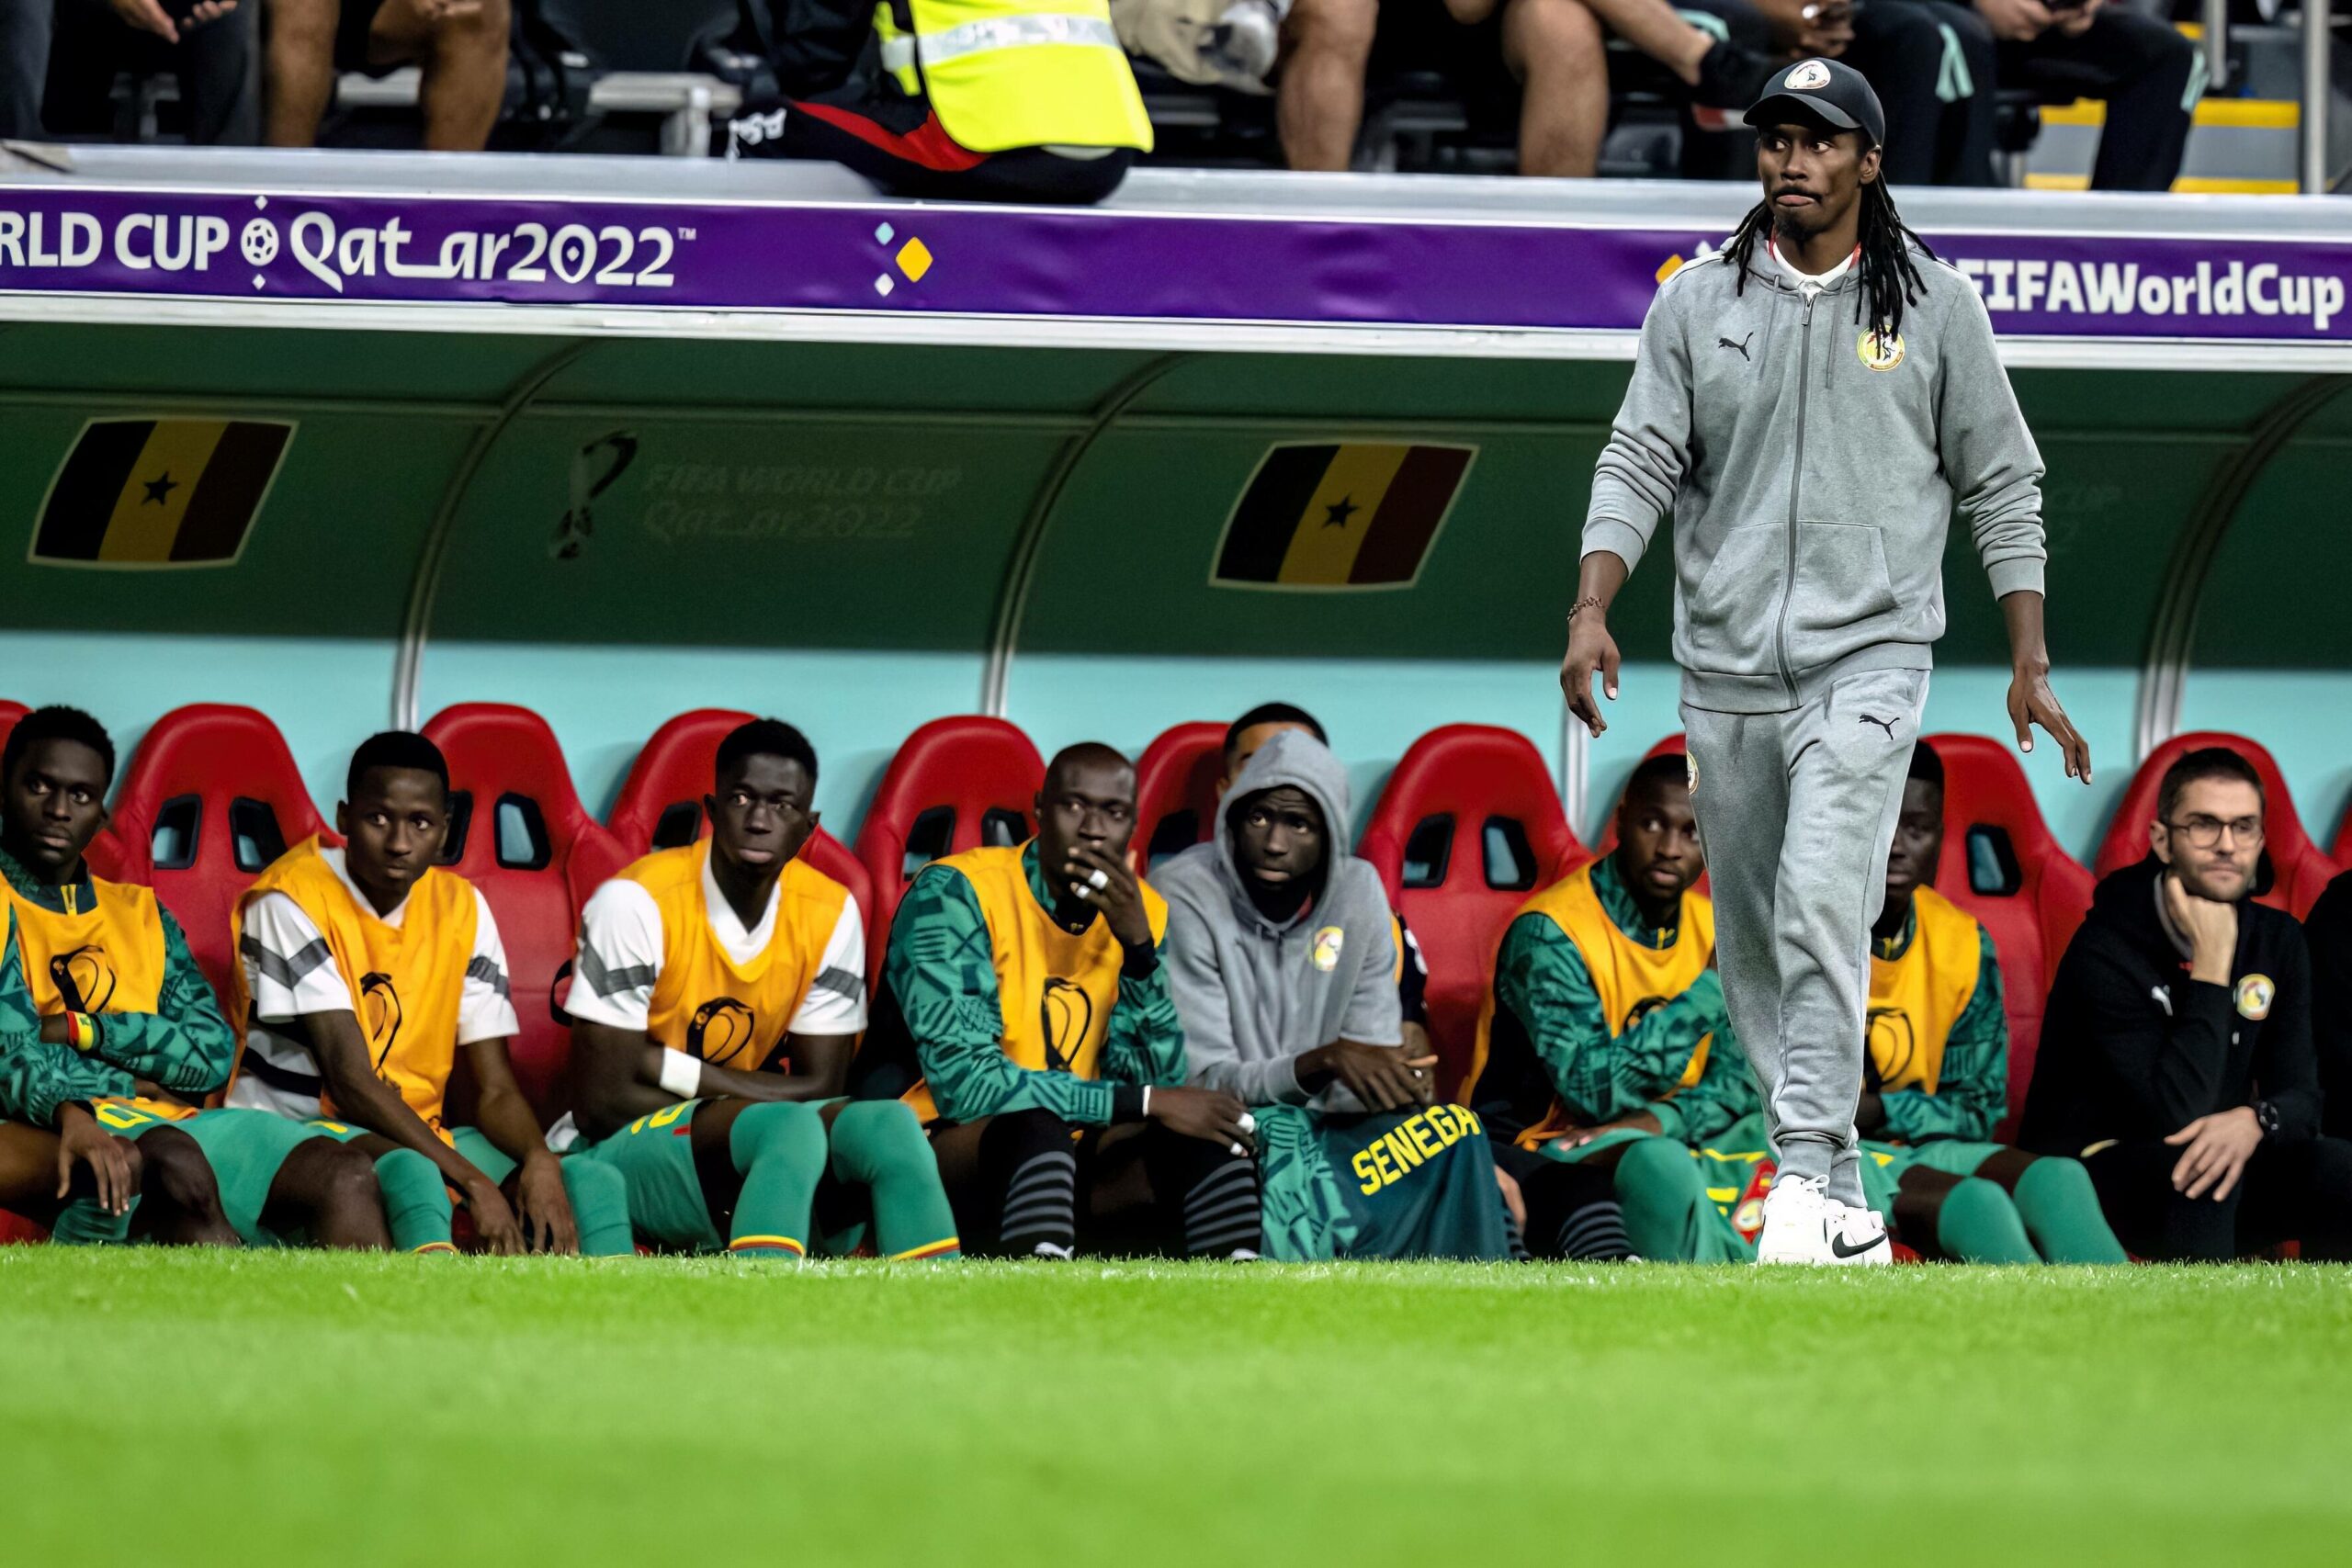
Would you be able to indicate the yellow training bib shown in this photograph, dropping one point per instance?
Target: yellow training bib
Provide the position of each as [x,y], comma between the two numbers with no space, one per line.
[732,1015]
[1916,999]
[406,981]
[105,958]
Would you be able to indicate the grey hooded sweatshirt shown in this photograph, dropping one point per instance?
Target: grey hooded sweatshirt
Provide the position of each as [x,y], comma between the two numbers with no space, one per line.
[1812,472]
[1256,996]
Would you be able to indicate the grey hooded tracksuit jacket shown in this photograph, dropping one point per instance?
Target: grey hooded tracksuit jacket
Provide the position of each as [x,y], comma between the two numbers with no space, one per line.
[1812,469]
[1255,995]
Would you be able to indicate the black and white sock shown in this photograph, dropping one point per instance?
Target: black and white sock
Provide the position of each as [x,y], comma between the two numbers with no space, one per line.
[1221,1212]
[1041,1207]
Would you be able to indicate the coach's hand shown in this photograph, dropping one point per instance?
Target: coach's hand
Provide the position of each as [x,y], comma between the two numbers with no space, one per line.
[2016,21]
[544,1207]
[493,1220]
[1383,1078]
[1120,895]
[2031,702]
[1591,650]
[1205,1114]
[113,1162]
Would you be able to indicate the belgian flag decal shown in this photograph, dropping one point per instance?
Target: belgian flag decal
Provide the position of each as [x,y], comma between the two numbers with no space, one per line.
[1349,515]
[159,492]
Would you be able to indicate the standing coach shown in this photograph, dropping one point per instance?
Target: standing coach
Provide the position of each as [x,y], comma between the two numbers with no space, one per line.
[1809,403]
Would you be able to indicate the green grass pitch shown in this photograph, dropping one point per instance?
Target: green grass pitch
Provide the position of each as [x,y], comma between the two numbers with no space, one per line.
[165,1408]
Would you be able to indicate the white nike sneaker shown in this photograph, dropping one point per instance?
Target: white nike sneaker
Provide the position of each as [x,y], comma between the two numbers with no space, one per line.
[1798,1220]
[1858,1236]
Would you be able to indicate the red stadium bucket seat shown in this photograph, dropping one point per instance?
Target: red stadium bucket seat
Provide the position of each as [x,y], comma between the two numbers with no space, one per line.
[955,785]
[2002,865]
[9,714]
[2295,871]
[519,832]
[2343,845]
[1176,791]
[1469,825]
[661,801]
[211,797]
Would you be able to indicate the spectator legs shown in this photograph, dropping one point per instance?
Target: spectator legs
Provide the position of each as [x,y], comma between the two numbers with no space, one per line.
[24,66]
[1657,30]
[1933,67]
[2142,68]
[1554,48]
[464,56]
[301,70]
[1320,102]
[460,44]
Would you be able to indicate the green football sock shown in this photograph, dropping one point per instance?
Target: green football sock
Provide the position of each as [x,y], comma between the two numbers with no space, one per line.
[83,1222]
[1977,1223]
[416,1201]
[779,1151]
[2060,1208]
[599,1195]
[878,1144]
[1668,1216]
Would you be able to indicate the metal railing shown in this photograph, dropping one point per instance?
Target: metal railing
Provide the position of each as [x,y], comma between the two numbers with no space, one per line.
[2317,90]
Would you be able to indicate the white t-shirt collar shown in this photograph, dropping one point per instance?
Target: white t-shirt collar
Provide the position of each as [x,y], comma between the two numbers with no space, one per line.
[336,863]
[1817,281]
[727,925]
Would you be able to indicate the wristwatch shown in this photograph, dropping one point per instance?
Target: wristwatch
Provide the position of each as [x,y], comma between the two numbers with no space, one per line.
[2266,1116]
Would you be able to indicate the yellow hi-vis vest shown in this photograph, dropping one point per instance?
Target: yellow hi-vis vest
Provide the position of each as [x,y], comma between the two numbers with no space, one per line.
[1917,998]
[1631,978]
[1006,74]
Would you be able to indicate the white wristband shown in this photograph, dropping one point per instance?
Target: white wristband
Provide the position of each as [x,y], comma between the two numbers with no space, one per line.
[680,1074]
[1147,1102]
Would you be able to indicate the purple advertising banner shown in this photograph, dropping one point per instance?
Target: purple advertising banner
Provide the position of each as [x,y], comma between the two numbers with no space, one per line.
[1095,265]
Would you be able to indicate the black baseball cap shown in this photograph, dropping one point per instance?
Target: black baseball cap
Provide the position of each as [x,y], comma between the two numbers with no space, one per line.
[1828,91]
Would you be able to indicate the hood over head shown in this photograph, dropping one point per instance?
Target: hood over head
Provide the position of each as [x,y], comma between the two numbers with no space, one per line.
[1295,760]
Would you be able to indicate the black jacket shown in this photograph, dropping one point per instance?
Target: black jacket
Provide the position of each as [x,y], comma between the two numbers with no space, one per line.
[2134,1049]
[2327,932]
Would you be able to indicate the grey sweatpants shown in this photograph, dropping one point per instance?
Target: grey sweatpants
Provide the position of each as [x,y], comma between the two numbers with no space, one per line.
[1796,812]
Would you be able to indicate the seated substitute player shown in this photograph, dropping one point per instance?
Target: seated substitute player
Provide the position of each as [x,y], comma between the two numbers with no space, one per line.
[1026,1015]
[61,1167]
[719,991]
[108,973]
[1937,1071]
[360,972]
[1281,956]
[1242,738]
[2177,1059]
[1604,1033]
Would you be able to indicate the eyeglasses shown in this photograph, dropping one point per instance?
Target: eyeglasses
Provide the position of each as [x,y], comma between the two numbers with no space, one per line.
[2204,832]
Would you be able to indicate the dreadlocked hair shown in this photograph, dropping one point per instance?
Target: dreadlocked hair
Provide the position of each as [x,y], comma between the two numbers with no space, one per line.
[1889,277]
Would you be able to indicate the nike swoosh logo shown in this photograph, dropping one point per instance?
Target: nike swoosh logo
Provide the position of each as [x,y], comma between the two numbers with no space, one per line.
[1837,1248]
